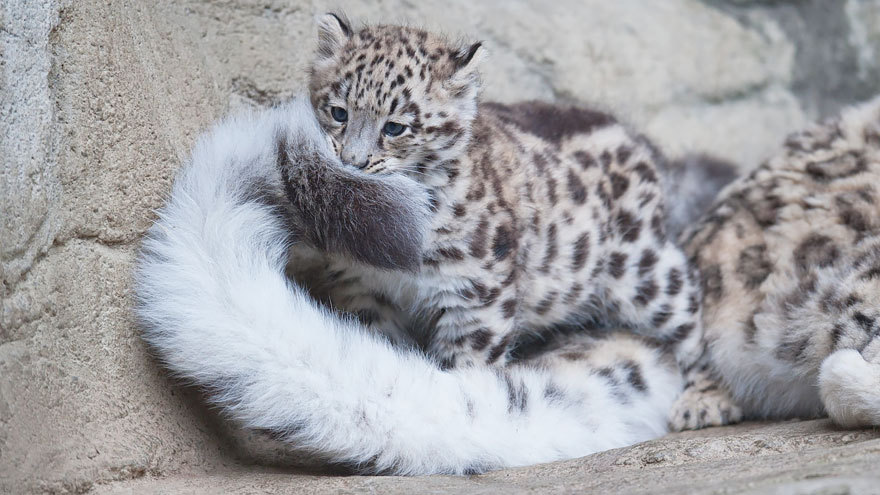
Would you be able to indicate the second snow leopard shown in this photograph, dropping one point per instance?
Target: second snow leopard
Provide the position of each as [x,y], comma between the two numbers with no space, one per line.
[544,219]
[790,264]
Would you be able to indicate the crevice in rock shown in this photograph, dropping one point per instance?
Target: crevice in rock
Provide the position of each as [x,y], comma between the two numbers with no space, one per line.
[20,252]
[57,244]
[247,88]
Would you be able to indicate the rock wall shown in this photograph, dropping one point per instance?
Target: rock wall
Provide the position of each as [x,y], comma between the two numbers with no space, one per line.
[100,100]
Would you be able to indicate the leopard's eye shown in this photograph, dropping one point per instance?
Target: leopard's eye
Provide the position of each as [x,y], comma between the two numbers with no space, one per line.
[393,129]
[339,114]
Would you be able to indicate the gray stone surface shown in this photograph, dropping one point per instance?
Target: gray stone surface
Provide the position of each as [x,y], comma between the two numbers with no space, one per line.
[787,458]
[100,100]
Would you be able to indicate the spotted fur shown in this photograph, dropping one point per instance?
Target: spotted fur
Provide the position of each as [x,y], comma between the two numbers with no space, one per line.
[542,216]
[790,258]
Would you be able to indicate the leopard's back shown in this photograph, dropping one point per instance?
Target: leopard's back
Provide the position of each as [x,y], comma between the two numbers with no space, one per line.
[554,219]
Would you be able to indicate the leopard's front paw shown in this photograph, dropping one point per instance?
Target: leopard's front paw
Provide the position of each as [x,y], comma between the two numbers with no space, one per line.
[703,406]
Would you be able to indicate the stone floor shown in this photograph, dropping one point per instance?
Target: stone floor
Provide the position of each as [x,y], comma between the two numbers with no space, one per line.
[796,457]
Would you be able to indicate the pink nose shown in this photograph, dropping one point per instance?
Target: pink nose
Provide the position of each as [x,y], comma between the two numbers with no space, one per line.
[354,162]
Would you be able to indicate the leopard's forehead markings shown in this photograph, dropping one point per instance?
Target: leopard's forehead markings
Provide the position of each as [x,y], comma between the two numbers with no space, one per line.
[384,65]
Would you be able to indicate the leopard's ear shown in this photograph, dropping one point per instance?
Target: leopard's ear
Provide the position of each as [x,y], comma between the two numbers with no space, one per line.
[465,78]
[466,64]
[334,31]
[469,57]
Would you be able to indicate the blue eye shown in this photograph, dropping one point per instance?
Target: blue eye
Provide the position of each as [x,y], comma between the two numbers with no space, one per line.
[339,114]
[393,129]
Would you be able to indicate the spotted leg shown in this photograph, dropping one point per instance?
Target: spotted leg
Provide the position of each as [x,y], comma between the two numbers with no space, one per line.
[654,291]
[704,401]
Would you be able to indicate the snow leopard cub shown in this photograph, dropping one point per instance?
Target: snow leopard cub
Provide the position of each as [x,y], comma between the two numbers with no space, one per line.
[790,264]
[544,219]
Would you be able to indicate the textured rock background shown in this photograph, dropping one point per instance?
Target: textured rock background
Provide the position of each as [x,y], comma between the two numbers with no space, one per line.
[100,100]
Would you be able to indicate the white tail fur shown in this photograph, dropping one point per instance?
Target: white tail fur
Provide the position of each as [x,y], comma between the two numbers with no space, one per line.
[850,389]
[215,305]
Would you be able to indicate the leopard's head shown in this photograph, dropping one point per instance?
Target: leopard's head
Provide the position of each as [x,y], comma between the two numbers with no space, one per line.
[393,98]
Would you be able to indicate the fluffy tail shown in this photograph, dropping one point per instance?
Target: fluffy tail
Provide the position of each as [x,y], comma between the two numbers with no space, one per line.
[850,389]
[215,305]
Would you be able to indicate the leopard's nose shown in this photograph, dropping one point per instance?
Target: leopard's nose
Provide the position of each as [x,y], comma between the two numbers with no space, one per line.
[352,159]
